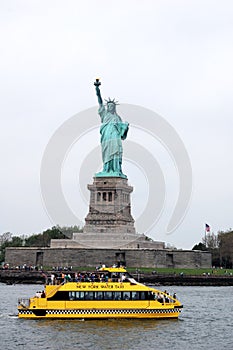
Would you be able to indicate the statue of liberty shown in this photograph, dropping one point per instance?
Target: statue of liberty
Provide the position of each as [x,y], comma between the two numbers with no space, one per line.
[112,131]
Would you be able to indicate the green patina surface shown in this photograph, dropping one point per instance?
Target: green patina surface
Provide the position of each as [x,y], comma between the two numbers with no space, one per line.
[112,131]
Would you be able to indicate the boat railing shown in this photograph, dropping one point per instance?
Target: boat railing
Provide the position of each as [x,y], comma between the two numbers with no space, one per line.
[24,302]
[55,289]
[132,281]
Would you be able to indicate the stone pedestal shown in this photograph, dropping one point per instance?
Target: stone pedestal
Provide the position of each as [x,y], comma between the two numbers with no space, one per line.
[110,207]
[109,223]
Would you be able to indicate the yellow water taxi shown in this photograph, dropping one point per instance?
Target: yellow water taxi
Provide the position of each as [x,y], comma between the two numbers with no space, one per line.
[109,292]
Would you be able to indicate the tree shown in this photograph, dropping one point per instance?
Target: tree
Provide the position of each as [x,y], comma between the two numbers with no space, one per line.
[211,241]
[221,247]
[226,248]
[5,237]
[9,241]
[56,232]
[200,246]
[43,239]
[68,231]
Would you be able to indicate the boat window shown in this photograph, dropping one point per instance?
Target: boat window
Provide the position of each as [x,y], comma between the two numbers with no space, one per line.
[126,295]
[62,295]
[72,295]
[116,295]
[107,296]
[86,295]
[135,295]
[99,295]
[80,295]
[143,295]
[89,295]
[151,295]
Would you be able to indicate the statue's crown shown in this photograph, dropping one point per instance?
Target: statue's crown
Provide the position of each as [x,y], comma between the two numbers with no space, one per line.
[112,101]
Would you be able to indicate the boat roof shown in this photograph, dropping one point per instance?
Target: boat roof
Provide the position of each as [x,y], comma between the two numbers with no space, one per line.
[113,269]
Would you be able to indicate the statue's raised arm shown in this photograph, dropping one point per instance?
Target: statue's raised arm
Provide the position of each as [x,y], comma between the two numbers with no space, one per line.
[97,83]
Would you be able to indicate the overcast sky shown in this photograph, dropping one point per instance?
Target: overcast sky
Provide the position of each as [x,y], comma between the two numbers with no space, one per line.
[173,57]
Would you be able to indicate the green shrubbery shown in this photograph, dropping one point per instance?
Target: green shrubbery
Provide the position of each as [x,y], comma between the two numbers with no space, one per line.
[35,240]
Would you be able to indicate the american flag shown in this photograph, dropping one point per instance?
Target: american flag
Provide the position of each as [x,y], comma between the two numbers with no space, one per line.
[207,228]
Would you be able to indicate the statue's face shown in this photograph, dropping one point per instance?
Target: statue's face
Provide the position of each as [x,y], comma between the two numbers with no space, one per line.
[111,107]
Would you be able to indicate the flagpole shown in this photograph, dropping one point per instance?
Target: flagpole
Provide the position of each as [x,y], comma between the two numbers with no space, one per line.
[207,229]
[205,235]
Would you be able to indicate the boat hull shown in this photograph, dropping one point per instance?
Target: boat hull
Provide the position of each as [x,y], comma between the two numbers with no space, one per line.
[99,313]
[113,295]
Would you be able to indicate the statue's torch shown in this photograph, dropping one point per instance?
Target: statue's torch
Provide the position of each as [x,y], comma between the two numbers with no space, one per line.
[97,82]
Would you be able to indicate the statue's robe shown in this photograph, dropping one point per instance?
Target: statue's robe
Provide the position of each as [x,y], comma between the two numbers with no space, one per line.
[112,131]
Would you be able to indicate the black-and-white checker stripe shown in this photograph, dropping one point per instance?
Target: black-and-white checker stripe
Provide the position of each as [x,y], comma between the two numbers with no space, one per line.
[25,312]
[104,311]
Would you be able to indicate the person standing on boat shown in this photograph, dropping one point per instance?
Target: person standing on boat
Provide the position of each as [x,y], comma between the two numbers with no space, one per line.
[123,277]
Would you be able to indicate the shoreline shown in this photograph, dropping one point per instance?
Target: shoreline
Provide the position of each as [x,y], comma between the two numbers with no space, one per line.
[186,280]
[39,277]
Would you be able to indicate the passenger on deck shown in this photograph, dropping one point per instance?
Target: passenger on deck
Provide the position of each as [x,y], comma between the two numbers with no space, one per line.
[123,277]
[63,277]
[52,278]
[160,298]
[167,298]
[86,278]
